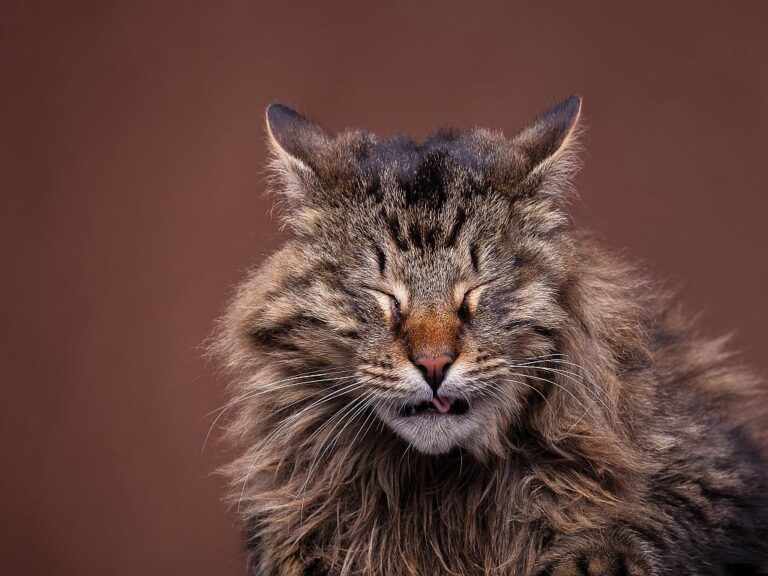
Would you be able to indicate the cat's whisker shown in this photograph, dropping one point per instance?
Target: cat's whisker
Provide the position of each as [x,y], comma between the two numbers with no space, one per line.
[562,359]
[361,403]
[558,385]
[575,378]
[555,359]
[467,399]
[367,397]
[537,361]
[246,397]
[376,406]
[572,426]
[327,396]
[364,426]
[598,392]
[290,405]
[539,392]
[265,388]
[497,386]
[405,452]
[489,389]
[327,422]
[265,443]
[300,414]
[349,388]
[339,414]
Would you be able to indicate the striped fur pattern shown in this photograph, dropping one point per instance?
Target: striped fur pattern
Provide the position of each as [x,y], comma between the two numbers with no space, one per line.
[602,436]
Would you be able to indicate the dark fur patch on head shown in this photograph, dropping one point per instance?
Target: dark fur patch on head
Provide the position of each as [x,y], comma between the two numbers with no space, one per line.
[396,232]
[474,257]
[381,258]
[429,179]
[455,229]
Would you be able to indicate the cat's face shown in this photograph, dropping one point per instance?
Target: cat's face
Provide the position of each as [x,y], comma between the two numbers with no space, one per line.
[425,276]
[452,316]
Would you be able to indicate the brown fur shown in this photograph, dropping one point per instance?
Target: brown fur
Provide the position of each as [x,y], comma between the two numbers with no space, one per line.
[623,442]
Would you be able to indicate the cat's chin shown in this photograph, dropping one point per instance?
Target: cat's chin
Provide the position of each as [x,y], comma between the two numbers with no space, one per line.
[433,433]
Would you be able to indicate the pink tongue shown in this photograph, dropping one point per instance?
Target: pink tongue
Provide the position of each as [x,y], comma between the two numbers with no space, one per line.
[442,404]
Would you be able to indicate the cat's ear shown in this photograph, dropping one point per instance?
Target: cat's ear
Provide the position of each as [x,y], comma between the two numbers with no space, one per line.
[296,143]
[549,148]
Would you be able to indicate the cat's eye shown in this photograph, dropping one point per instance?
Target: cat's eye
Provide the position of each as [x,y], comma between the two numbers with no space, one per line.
[469,300]
[464,310]
[394,305]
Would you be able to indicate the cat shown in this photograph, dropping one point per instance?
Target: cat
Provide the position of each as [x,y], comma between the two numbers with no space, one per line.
[437,373]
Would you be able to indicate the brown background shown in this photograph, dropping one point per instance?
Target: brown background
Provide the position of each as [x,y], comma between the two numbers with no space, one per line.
[132,179]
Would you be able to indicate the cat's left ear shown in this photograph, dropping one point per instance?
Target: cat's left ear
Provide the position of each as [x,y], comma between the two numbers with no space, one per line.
[548,146]
[296,144]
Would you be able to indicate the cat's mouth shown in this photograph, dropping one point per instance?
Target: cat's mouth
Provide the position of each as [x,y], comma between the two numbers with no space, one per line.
[438,406]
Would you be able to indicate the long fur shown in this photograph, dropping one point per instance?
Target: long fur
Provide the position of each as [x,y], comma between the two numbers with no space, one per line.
[622,443]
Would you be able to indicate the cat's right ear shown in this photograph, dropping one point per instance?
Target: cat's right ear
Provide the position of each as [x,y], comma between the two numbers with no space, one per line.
[550,149]
[295,142]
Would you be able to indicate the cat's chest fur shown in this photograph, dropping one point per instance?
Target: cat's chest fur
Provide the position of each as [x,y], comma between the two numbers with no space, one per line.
[412,514]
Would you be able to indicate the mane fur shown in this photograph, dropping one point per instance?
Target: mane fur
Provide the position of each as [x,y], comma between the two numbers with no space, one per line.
[617,438]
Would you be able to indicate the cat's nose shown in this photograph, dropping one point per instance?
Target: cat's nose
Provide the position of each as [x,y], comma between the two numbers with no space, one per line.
[434,368]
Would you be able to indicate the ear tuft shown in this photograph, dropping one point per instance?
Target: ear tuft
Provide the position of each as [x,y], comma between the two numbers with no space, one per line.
[549,147]
[550,133]
[296,143]
[293,133]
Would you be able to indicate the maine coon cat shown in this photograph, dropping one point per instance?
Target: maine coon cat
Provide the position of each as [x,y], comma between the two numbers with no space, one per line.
[437,374]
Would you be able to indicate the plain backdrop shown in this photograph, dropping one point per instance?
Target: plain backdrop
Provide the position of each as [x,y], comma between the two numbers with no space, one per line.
[132,180]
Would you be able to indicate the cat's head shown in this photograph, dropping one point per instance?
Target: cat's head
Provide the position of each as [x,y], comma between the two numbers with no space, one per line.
[419,278]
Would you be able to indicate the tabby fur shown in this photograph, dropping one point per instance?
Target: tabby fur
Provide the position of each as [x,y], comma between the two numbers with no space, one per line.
[605,435]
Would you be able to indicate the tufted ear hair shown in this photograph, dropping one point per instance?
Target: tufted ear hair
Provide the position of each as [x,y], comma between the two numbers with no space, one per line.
[549,148]
[296,144]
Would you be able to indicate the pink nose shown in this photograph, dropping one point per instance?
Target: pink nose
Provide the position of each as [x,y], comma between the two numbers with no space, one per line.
[434,368]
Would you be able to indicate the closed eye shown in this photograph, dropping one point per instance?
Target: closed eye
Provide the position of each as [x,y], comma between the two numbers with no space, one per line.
[378,290]
[395,306]
[397,313]
[470,299]
[467,304]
